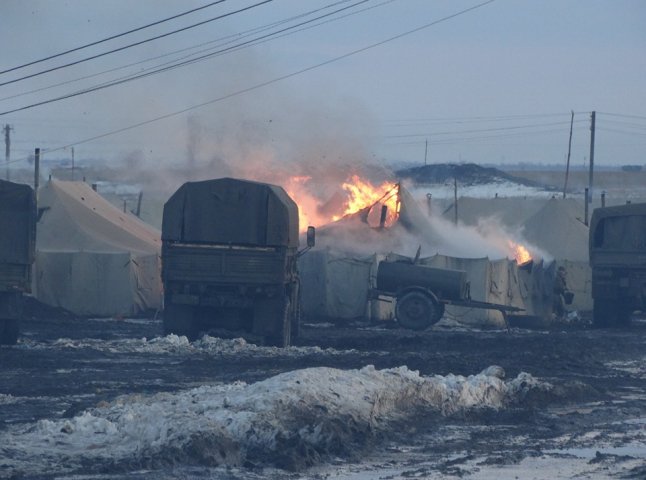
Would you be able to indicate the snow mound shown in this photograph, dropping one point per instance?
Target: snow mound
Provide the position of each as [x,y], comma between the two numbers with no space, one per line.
[288,421]
[180,345]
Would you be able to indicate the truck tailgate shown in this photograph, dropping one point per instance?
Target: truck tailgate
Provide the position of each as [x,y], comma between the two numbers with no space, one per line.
[223,264]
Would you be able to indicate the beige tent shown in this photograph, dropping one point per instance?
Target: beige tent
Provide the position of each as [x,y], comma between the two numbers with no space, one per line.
[335,281]
[91,258]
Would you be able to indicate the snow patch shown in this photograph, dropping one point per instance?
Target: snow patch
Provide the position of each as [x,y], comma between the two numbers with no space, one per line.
[181,345]
[287,421]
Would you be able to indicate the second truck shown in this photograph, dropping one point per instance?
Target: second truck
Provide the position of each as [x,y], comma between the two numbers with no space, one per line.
[618,261]
[229,251]
[17,246]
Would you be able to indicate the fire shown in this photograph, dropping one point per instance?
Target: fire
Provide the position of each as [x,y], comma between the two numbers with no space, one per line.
[362,194]
[521,254]
[354,195]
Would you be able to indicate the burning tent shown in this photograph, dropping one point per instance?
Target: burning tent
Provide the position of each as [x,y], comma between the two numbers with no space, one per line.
[497,266]
[91,258]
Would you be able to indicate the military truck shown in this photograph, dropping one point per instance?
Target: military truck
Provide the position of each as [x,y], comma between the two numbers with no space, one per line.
[618,261]
[17,246]
[229,250]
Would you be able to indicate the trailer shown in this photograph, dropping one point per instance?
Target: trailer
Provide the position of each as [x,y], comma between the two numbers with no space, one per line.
[421,293]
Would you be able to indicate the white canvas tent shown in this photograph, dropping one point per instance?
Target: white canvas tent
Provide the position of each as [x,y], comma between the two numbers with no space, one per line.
[337,280]
[91,258]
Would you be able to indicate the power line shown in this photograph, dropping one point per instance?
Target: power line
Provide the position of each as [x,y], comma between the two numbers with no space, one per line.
[451,141]
[173,65]
[93,57]
[243,34]
[641,117]
[473,119]
[460,132]
[276,79]
[624,132]
[111,37]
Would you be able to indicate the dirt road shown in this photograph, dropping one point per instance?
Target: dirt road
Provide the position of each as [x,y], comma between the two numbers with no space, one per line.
[590,422]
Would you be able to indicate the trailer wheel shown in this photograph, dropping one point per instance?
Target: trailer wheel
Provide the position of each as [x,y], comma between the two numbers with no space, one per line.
[9,331]
[416,310]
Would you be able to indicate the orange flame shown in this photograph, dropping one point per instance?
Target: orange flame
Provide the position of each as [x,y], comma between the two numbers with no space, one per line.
[521,254]
[362,194]
[359,194]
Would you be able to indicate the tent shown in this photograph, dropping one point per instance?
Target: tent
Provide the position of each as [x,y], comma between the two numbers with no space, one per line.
[336,279]
[558,229]
[91,258]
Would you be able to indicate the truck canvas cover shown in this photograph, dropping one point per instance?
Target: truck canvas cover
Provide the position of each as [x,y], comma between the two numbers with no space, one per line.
[17,213]
[230,211]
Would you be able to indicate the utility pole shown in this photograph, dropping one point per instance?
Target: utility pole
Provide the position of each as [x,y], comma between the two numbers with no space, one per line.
[7,147]
[569,150]
[455,201]
[36,169]
[591,180]
[426,152]
[72,163]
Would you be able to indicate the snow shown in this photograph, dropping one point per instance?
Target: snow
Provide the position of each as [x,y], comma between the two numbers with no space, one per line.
[502,189]
[315,410]
[180,345]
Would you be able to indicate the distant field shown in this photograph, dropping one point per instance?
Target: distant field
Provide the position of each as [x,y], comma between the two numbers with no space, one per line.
[578,180]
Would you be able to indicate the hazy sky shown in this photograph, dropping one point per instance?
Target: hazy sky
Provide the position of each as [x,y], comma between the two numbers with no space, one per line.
[495,84]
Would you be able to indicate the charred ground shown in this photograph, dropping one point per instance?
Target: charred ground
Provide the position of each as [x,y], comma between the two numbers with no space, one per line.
[65,365]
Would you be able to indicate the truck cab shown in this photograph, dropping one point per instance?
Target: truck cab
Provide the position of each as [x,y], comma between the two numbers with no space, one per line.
[618,262]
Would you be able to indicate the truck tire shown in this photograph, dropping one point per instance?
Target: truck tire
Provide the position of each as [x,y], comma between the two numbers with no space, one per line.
[282,338]
[416,310]
[9,331]
[180,320]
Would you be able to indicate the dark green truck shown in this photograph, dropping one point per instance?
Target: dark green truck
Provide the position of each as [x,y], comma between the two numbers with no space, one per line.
[17,247]
[229,250]
[618,261]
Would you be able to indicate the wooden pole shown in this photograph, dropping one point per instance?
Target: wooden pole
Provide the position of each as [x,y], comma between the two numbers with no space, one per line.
[591,180]
[569,150]
[36,169]
[455,200]
[141,194]
[585,217]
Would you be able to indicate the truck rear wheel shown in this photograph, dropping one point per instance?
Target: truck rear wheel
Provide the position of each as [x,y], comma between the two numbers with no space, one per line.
[610,313]
[416,310]
[9,331]
[180,320]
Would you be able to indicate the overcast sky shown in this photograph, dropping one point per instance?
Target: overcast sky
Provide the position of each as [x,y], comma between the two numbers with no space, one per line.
[492,85]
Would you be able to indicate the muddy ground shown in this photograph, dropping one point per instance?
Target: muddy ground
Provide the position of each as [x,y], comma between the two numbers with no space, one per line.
[592,425]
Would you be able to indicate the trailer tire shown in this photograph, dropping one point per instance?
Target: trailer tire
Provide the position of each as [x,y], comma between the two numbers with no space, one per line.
[416,310]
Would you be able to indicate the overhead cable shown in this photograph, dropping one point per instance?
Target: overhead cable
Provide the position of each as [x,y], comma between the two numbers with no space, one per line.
[243,34]
[460,132]
[174,65]
[278,79]
[111,37]
[86,59]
